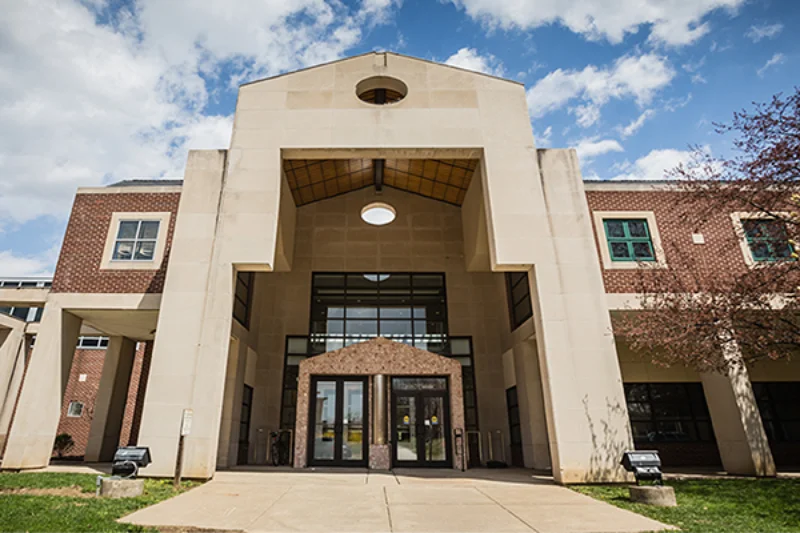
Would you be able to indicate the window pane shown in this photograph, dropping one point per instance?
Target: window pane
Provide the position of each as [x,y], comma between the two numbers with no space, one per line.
[781,250]
[362,312]
[148,229]
[619,250]
[615,228]
[643,431]
[760,250]
[642,251]
[394,312]
[396,328]
[239,312]
[361,327]
[123,251]
[127,229]
[637,228]
[145,250]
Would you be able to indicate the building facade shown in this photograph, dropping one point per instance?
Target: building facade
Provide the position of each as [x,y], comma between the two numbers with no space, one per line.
[382,269]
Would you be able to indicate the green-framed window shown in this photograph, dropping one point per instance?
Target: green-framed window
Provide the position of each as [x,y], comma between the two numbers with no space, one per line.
[629,239]
[767,239]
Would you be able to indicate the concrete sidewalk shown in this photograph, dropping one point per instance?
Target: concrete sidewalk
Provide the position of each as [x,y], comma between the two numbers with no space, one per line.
[403,500]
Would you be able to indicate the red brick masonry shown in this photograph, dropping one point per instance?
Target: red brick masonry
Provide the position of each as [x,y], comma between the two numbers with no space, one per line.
[90,362]
[720,253]
[78,269]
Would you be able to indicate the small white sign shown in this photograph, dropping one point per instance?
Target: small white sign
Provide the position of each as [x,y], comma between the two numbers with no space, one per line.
[698,238]
[186,422]
[81,377]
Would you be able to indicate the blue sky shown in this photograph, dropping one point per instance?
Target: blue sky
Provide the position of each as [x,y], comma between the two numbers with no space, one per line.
[95,91]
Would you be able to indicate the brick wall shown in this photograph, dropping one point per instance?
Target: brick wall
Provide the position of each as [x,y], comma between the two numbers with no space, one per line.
[720,253]
[90,362]
[78,268]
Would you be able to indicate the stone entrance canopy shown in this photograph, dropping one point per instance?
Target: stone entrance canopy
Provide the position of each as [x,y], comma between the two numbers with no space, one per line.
[378,357]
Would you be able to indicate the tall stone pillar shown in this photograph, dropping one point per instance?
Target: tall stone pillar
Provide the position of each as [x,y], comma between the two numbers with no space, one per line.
[109,405]
[533,420]
[30,441]
[587,418]
[742,441]
[12,368]
[190,352]
[232,404]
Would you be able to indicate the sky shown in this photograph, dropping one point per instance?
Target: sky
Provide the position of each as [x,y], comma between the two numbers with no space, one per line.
[96,91]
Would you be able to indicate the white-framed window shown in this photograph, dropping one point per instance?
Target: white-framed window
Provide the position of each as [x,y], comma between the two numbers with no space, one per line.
[93,342]
[763,238]
[75,409]
[135,241]
[629,239]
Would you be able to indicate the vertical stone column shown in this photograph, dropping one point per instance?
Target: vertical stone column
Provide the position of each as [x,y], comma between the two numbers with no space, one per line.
[533,420]
[12,367]
[587,418]
[232,404]
[30,441]
[109,405]
[178,375]
[742,441]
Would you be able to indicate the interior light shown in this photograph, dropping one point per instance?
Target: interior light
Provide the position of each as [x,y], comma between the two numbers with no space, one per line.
[378,214]
[376,277]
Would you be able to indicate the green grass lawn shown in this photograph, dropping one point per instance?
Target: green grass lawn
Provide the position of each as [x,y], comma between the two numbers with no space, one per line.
[24,512]
[729,505]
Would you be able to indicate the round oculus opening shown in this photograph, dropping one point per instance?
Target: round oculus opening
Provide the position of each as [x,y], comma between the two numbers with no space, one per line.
[381,90]
[378,214]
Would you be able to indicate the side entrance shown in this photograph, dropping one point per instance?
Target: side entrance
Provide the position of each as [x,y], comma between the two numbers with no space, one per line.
[338,429]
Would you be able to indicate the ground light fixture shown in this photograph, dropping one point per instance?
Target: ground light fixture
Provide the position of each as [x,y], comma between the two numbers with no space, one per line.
[378,214]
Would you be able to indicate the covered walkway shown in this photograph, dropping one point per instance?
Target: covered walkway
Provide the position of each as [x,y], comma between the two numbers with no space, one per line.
[407,500]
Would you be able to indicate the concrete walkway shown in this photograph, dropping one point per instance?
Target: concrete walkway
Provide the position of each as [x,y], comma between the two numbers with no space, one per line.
[404,500]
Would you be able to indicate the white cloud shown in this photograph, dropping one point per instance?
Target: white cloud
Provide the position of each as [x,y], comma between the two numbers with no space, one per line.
[654,165]
[586,115]
[776,59]
[84,103]
[636,77]
[677,22]
[544,139]
[590,148]
[13,266]
[637,123]
[470,59]
[764,31]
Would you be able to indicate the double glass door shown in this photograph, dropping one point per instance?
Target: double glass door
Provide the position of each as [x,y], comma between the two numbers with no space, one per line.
[338,421]
[421,428]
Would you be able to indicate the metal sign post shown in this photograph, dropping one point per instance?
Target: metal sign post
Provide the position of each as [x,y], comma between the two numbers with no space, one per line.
[186,429]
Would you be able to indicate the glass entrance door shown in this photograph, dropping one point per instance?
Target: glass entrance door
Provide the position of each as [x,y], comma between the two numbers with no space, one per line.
[421,420]
[338,421]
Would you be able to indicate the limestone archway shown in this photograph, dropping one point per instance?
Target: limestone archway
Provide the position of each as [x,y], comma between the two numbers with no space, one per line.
[373,358]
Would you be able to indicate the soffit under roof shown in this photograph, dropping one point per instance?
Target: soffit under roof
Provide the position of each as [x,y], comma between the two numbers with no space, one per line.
[446,180]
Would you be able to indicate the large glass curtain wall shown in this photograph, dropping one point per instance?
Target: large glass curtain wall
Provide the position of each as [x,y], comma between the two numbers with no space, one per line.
[351,308]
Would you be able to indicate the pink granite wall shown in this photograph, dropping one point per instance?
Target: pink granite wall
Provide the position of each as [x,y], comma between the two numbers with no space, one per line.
[377,356]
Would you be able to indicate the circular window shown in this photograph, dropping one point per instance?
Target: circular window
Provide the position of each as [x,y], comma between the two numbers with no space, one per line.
[381,90]
[378,214]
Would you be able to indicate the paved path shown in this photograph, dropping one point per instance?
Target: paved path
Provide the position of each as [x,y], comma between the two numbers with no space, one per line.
[404,500]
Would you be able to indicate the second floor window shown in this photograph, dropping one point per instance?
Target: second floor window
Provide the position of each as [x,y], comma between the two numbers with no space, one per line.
[767,239]
[519,298]
[136,240]
[629,240]
[243,298]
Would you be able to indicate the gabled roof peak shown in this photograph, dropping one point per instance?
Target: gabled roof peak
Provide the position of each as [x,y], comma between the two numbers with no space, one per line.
[384,53]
